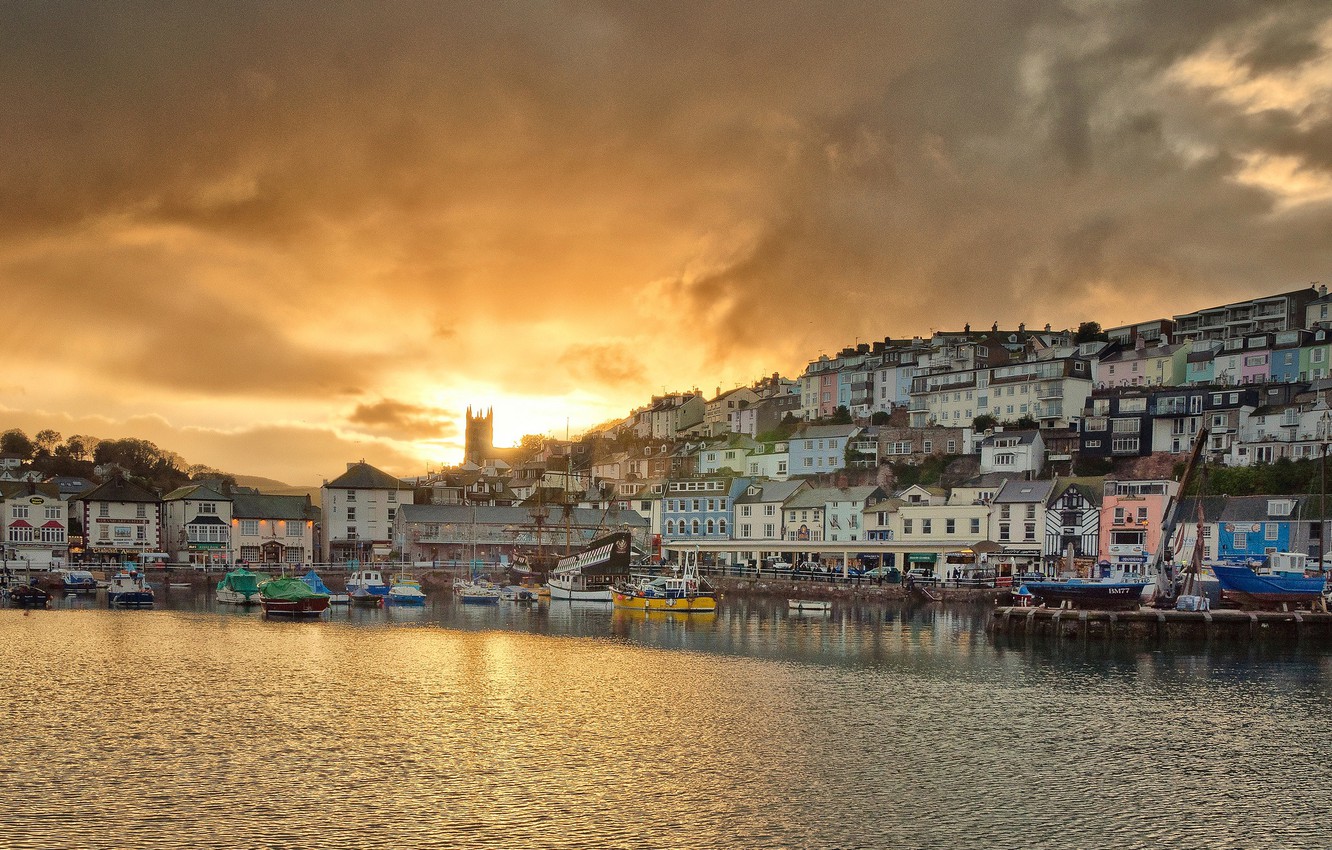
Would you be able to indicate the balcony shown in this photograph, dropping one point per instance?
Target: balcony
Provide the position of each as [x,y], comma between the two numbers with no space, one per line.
[1053,390]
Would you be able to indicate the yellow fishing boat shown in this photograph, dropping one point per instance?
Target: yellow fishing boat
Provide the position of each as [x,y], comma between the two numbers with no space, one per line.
[684,594]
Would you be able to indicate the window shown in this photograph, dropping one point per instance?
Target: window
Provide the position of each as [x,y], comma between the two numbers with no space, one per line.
[1270,529]
[141,511]
[711,527]
[1029,531]
[250,527]
[670,526]
[952,447]
[744,529]
[721,526]
[207,508]
[392,498]
[950,526]
[351,495]
[1003,531]
[769,510]
[769,529]
[975,525]
[926,526]
[351,514]
[1241,540]
[746,510]
[295,528]
[1125,445]
[906,526]
[928,446]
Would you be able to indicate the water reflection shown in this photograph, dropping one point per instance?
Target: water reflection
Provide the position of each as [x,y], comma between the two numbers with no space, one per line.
[568,725]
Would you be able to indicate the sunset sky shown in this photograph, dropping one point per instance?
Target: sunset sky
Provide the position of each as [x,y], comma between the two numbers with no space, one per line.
[277,237]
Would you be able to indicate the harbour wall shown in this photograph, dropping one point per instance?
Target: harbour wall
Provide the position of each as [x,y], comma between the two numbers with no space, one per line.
[1152,626]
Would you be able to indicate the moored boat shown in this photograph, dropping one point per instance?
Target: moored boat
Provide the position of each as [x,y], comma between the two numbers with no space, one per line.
[477,592]
[25,595]
[811,605]
[239,587]
[405,591]
[129,589]
[77,581]
[316,584]
[1281,581]
[518,593]
[291,597]
[591,575]
[1103,594]
[371,581]
[686,593]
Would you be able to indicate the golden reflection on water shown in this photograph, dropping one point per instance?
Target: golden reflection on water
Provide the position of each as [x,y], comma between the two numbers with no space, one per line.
[583,727]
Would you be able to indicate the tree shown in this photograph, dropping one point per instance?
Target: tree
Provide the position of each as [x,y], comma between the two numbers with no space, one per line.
[841,416]
[984,422]
[880,417]
[47,440]
[1026,423]
[15,442]
[1089,332]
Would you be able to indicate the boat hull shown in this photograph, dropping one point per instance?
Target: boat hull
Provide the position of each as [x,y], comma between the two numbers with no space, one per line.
[573,588]
[131,599]
[698,603]
[28,596]
[295,607]
[811,605]
[1244,586]
[235,597]
[479,598]
[1089,594]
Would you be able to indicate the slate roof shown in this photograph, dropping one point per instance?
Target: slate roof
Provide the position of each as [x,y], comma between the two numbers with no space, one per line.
[260,506]
[1025,438]
[502,515]
[1091,488]
[195,491]
[15,489]
[1254,509]
[118,490]
[770,491]
[1015,491]
[363,476]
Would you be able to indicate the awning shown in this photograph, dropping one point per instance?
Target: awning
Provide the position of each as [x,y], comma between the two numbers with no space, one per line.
[20,523]
[52,524]
[207,519]
[921,557]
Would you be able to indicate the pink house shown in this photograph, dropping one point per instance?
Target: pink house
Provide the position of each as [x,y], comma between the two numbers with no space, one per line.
[1132,513]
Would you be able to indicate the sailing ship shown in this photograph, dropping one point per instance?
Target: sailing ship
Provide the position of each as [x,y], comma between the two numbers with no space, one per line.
[590,575]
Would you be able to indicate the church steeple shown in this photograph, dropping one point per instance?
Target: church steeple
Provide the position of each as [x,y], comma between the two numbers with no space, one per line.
[479,436]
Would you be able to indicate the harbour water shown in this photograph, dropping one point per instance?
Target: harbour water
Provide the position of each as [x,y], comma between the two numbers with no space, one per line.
[199,725]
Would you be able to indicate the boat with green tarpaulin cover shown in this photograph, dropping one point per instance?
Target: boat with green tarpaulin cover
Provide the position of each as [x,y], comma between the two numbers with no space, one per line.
[291,597]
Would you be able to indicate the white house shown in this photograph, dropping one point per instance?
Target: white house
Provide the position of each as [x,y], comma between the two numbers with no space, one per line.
[359,508]
[36,525]
[1013,452]
[196,526]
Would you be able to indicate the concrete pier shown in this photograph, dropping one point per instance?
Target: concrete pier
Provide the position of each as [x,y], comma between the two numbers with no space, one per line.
[1150,625]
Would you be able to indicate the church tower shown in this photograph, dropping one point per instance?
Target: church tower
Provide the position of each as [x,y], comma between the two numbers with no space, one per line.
[479,437]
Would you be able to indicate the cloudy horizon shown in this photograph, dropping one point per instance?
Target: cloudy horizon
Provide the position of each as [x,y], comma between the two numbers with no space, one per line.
[274,238]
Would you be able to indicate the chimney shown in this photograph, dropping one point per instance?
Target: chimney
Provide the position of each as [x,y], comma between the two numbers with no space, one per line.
[1047,327]
[966,329]
[1322,290]
[994,328]
[1139,343]
[1022,327]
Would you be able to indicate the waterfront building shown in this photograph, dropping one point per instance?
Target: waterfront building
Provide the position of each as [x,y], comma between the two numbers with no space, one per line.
[765,414]
[196,526]
[359,509]
[700,508]
[759,511]
[1200,365]
[1315,355]
[1294,430]
[1132,513]
[819,449]
[456,535]
[36,525]
[1251,528]
[121,522]
[1272,313]
[1318,312]
[1017,523]
[1073,520]
[935,522]
[1050,391]
[273,529]
[673,414]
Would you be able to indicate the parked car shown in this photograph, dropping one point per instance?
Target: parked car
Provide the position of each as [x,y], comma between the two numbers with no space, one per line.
[921,575]
[776,567]
[890,574]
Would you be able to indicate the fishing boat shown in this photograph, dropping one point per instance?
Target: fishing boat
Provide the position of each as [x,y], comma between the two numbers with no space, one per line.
[239,587]
[371,581]
[18,594]
[129,589]
[519,594]
[808,605]
[363,597]
[591,575]
[477,592]
[686,593]
[405,591]
[1282,580]
[77,581]
[291,597]
[316,584]
[1102,594]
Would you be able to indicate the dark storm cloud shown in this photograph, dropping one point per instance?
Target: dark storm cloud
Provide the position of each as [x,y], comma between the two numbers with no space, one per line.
[783,176]
[404,421]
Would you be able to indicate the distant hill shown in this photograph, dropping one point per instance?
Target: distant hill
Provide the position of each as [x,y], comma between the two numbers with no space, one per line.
[259,482]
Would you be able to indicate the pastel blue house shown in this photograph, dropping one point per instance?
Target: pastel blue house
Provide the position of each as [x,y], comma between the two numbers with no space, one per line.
[701,508]
[820,448]
[1284,367]
[1252,527]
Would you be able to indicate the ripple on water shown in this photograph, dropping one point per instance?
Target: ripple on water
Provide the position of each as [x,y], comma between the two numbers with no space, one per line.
[869,728]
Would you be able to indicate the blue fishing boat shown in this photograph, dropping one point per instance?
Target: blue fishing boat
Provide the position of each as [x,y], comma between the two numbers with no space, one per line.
[315,583]
[77,581]
[1282,580]
[129,589]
